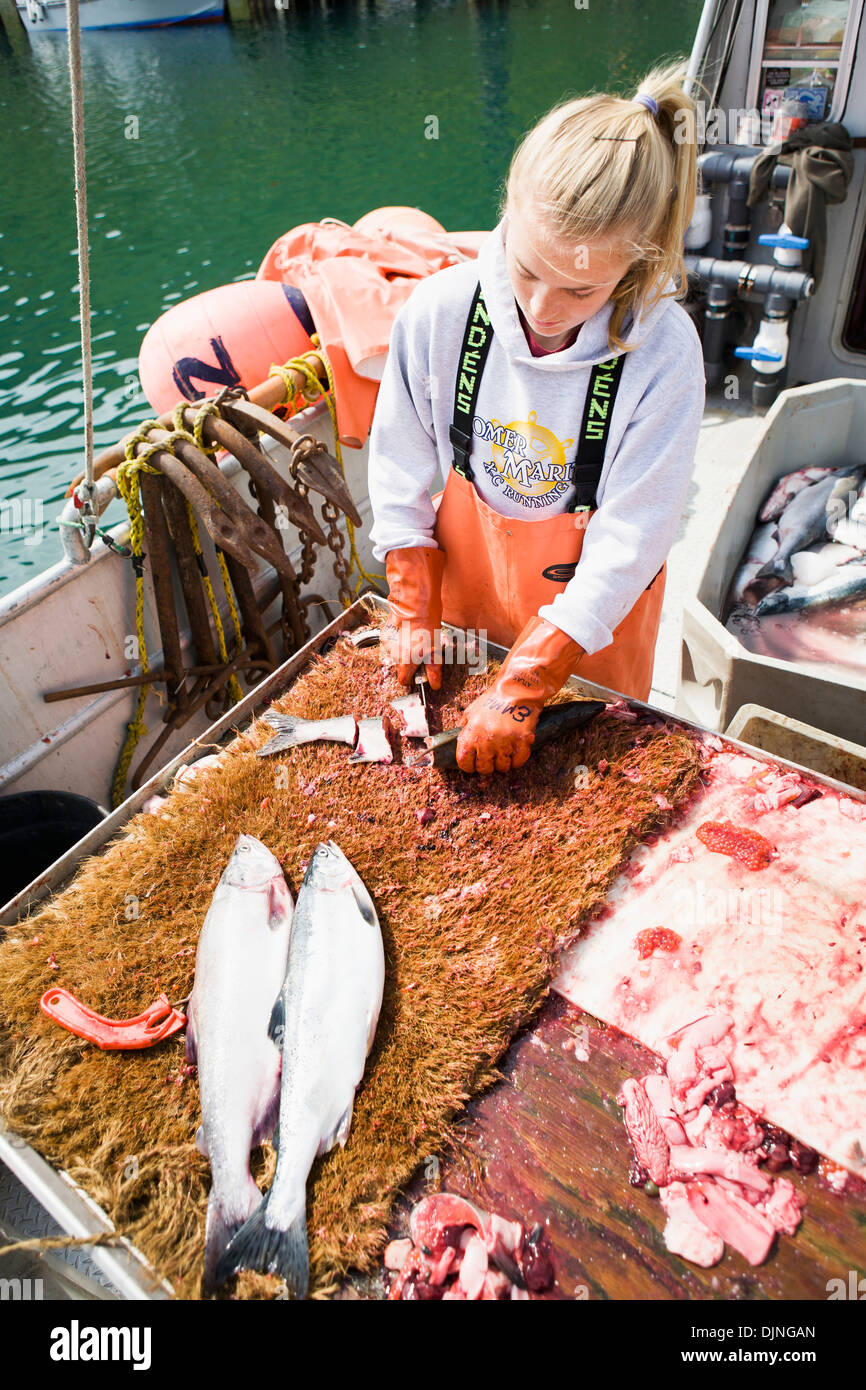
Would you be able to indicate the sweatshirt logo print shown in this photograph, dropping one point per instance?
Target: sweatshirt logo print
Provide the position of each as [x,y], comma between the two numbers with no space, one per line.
[527,460]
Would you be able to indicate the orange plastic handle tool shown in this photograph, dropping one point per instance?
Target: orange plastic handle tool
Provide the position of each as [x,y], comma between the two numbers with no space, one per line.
[158,1021]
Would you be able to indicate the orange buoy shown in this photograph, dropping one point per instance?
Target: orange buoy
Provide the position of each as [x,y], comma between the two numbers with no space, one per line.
[228,336]
[397,219]
[407,223]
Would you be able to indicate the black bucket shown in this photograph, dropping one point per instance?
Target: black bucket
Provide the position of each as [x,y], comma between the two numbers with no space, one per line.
[35,829]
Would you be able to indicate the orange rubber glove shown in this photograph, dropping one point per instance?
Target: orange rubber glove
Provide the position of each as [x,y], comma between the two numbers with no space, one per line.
[499,728]
[415,599]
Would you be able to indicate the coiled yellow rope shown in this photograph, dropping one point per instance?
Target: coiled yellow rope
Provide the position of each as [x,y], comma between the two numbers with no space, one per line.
[197,438]
[129,487]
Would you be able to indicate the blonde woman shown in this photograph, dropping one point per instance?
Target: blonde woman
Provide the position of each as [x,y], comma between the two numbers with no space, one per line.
[560,386]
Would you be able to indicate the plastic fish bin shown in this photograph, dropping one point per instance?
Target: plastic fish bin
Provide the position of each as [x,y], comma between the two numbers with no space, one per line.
[800,743]
[806,427]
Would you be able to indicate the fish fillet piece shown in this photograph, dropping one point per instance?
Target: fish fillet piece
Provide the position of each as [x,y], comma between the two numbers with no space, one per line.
[374,744]
[688,1161]
[396,1253]
[658,1091]
[411,707]
[473,1269]
[685,1233]
[783,1207]
[733,1220]
[292,731]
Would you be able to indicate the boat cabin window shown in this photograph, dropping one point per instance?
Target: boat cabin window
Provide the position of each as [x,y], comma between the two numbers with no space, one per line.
[806,61]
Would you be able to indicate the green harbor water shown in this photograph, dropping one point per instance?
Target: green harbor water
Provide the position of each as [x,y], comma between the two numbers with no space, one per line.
[205,143]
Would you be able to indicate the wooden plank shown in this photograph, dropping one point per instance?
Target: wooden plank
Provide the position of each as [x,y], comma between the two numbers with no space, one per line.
[548,1144]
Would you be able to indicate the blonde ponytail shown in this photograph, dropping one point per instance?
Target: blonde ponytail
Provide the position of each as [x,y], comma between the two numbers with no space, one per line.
[607,168]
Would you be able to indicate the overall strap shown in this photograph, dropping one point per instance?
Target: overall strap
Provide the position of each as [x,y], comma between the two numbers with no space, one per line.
[594,430]
[597,414]
[477,338]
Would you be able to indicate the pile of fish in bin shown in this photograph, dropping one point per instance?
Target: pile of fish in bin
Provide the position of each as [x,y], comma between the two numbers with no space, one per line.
[809,548]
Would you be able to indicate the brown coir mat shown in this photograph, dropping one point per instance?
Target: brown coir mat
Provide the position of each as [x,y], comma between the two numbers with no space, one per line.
[476,882]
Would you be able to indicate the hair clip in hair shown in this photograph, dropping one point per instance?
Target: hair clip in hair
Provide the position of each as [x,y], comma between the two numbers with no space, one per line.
[649,102]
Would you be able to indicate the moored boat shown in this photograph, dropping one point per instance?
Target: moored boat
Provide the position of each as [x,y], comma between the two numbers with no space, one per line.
[49,16]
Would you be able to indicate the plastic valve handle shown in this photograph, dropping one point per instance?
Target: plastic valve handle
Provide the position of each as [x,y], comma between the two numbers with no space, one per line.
[758,354]
[786,240]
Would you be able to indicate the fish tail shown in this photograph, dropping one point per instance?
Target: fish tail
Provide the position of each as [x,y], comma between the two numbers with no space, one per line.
[270,1250]
[221,1228]
[285,726]
[283,723]
[777,568]
[219,1232]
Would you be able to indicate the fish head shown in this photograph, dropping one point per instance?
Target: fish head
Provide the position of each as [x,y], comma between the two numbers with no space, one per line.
[330,871]
[252,865]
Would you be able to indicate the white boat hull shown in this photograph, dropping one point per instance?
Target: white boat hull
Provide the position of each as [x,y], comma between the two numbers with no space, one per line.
[49,16]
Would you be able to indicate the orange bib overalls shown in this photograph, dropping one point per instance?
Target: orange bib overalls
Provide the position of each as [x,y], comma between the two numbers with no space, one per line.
[500,570]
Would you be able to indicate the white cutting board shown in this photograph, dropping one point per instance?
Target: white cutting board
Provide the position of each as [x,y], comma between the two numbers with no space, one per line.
[781,949]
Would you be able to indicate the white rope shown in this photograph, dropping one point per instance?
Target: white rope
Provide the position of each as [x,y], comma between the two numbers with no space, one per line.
[85,490]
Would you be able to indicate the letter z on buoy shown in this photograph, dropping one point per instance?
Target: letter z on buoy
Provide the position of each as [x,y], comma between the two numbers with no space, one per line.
[229,336]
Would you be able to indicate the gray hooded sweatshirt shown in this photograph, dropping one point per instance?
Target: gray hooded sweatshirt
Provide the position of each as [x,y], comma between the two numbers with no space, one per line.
[527,419]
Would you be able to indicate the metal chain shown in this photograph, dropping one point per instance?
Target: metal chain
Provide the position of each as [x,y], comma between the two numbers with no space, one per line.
[308,552]
[337,543]
[306,447]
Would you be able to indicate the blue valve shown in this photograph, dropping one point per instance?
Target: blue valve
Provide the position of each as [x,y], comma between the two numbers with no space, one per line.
[785,240]
[758,354]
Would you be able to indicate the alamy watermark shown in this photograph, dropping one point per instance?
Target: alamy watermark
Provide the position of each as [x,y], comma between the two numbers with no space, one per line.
[21,1290]
[854,1287]
[21,516]
[714,126]
[440,648]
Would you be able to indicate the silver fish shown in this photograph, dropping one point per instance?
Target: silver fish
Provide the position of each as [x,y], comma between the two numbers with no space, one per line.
[327,1013]
[763,544]
[847,585]
[292,731]
[786,489]
[805,520]
[239,970]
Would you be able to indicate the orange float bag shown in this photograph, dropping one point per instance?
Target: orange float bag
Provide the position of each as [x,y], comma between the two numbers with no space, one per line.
[354,280]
